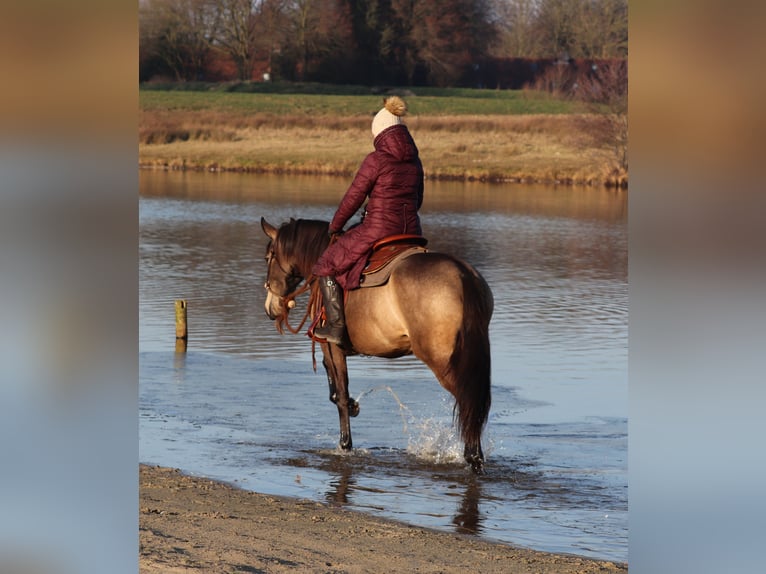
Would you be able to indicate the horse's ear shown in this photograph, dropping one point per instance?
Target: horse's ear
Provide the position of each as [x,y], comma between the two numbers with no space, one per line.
[268,229]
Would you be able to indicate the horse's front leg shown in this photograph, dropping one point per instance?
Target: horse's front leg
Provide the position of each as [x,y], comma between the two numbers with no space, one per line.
[330,382]
[337,376]
[353,406]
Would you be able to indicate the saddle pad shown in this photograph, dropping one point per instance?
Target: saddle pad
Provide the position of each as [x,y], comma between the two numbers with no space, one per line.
[385,261]
[382,256]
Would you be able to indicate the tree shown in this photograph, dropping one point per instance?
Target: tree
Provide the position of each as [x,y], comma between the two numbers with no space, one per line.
[315,31]
[436,42]
[415,42]
[602,30]
[606,92]
[237,34]
[515,21]
[270,30]
[554,28]
[180,33]
[557,25]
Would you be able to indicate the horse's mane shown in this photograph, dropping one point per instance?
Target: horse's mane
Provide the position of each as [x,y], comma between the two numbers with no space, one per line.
[301,242]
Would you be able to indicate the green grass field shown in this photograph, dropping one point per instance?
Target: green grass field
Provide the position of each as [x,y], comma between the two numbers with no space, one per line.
[350,100]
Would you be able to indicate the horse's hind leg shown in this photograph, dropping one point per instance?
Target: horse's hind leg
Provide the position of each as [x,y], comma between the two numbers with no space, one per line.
[337,376]
[474,456]
[471,408]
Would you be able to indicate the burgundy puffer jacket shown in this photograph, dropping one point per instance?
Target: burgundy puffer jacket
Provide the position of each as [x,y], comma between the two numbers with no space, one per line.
[392,178]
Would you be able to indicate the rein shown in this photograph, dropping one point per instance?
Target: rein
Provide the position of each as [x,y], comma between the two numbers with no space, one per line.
[313,307]
[288,302]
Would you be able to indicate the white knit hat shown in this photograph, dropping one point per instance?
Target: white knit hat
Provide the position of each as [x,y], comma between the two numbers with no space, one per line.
[393,108]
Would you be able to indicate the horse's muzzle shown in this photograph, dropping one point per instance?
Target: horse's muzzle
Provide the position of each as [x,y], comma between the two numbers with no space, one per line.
[272,306]
[276,306]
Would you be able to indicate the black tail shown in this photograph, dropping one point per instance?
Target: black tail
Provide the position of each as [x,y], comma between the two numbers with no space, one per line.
[470,363]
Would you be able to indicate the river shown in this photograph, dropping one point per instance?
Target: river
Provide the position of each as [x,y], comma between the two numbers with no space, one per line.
[243,404]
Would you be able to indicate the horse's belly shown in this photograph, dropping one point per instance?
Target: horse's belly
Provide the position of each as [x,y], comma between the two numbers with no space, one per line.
[390,349]
[374,325]
[379,338]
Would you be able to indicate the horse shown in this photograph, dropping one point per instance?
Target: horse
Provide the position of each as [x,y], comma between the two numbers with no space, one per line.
[434,306]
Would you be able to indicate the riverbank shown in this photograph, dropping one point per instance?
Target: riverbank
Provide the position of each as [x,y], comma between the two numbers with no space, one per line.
[189,523]
[460,138]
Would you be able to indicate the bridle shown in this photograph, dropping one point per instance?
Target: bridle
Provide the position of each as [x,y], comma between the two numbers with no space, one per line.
[272,257]
[288,300]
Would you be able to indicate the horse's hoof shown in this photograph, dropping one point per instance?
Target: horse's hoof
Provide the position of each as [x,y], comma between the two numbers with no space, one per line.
[353,408]
[474,457]
[477,464]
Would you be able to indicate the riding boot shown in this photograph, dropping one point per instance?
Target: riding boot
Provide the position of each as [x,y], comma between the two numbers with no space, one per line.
[334,329]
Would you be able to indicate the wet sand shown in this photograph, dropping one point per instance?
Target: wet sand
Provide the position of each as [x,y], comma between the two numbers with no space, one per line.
[195,524]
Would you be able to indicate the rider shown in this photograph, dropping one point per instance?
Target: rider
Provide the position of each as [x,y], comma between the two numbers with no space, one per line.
[392,178]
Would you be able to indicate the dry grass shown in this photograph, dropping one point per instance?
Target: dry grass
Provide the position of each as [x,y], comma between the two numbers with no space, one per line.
[542,148]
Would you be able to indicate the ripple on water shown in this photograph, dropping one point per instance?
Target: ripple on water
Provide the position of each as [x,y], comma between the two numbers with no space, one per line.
[243,405]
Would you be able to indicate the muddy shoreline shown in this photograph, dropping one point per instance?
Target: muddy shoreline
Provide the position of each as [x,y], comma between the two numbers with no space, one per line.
[195,524]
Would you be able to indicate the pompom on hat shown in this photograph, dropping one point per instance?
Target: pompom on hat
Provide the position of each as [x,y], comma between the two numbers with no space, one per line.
[394,108]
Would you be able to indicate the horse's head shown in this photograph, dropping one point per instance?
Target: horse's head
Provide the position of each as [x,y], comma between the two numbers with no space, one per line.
[282,277]
[293,249]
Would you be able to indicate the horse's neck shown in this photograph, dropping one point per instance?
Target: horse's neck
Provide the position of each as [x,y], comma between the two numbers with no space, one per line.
[304,265]
[311,236]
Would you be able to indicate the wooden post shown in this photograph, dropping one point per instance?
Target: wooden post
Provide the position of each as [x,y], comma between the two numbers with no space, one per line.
[181,332]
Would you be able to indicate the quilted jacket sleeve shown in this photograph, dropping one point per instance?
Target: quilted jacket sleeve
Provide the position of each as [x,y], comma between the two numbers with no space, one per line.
[360,188]
[420,184]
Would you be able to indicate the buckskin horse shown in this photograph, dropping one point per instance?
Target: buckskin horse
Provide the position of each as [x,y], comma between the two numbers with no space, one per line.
[433,306]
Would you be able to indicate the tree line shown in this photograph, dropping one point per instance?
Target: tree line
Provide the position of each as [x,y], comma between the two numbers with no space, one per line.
[369,42]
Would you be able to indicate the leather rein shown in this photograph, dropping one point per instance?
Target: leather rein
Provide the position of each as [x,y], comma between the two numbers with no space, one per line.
[288,301]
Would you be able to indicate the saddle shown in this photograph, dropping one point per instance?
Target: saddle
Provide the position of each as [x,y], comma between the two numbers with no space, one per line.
[385,253]
[381,262]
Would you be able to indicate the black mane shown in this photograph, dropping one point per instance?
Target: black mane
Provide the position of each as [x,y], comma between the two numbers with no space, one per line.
[300,242]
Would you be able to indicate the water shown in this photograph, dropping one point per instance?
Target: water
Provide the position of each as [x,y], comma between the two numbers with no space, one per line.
[243,404]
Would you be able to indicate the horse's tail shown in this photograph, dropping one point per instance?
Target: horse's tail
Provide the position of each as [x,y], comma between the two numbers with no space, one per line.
[470,364]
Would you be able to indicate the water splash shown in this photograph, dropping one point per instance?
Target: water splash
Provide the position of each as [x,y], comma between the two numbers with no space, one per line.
[403,409]
[436,441]
[432,439]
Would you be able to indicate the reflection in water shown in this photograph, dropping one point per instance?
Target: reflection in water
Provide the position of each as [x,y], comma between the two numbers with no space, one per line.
[179,361]
[300,192]
[342,468]
[342,482]
[360,480]
[468,518]
[242,403]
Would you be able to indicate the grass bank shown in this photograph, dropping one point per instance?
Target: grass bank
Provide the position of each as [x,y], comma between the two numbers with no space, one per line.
[490,135]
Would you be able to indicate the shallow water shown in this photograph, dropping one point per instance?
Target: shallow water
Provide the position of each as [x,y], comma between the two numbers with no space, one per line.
[244,405]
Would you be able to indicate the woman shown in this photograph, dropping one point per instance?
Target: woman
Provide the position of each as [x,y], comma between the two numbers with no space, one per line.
[391,179]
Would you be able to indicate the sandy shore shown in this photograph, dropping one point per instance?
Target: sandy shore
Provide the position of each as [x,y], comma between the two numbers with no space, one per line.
[194,524]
